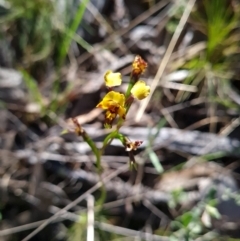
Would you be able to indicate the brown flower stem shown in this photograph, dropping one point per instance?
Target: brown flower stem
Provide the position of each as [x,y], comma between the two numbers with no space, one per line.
[132,162]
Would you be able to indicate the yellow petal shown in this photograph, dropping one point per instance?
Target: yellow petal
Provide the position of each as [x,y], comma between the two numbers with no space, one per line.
[140,90]
[112,79]
[112,99]
[122,112]
[117,97]
[102,105]
[109,118]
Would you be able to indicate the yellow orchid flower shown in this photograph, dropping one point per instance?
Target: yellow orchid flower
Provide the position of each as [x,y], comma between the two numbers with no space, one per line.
[114,103]
[112,79]
[140,90]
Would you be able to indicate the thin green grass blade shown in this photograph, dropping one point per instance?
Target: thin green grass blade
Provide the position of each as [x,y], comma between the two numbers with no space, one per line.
[150,152]
[73,28]
[32,88]
[155,160]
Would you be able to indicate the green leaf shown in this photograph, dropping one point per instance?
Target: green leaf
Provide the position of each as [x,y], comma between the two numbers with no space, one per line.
[186,218]
[152,155]
[195,227]
[155,161]
[213,212]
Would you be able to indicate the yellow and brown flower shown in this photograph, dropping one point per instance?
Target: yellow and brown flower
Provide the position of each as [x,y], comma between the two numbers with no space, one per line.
[113,102]
[132,146]
[138,66]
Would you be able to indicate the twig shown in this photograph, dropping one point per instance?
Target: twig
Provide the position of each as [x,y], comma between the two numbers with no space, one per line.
[142,17]
[206,121]
[21,126]
[75,202]
[168,117]
[128,232]
[26,227]
[52,209]
[177,86]
[224,132]
[90,227]
[184,105]
[211,145]
[102,21]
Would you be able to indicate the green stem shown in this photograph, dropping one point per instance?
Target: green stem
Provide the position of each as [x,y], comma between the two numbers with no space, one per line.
[127,95]
[98,153]
[108,139]
[95,150]
[130,85]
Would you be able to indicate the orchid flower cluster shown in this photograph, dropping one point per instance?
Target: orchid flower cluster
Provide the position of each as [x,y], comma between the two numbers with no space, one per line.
[116,106]
[116,103]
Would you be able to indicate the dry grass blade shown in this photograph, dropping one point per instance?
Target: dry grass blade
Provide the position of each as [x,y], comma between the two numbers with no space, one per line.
[206,121]
[90,227]
[225,132]
[130,233]
[75,202]
[123,31]
[52,209]
[24,227]
[177,86]
[102,21]
[166,57]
